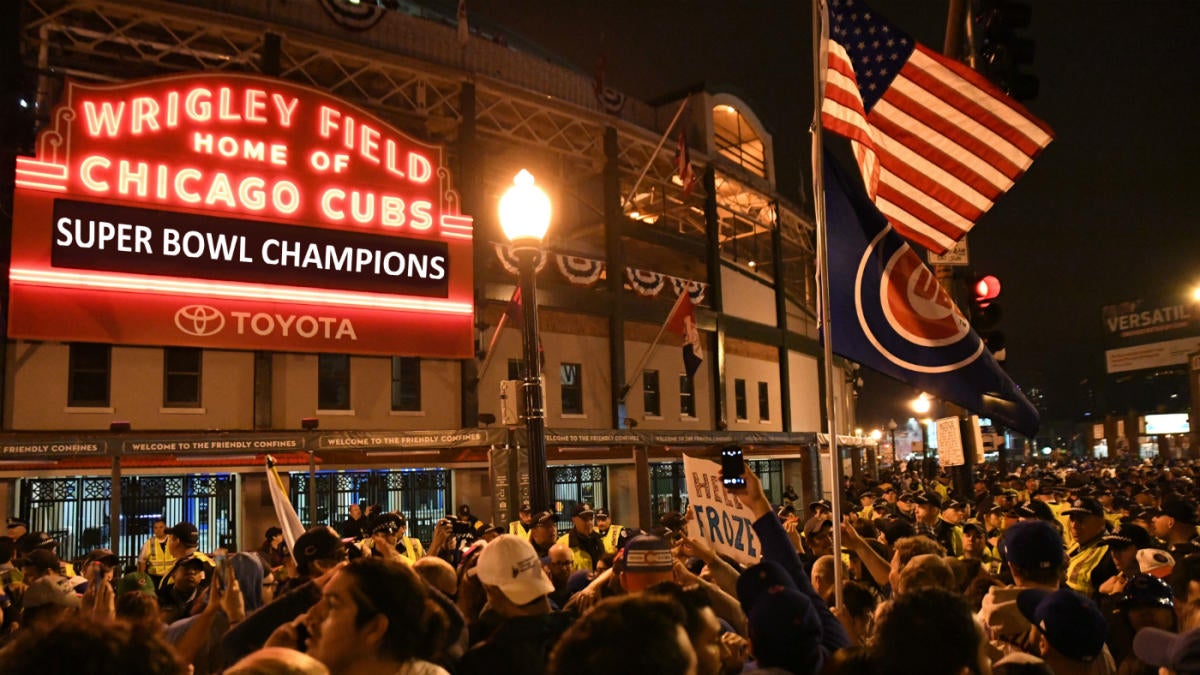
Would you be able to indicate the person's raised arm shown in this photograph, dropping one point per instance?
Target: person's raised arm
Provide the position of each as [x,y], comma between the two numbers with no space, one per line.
[776,547]
[879,568]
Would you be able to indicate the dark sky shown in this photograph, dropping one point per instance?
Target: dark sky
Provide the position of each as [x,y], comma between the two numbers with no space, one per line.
[1105,214]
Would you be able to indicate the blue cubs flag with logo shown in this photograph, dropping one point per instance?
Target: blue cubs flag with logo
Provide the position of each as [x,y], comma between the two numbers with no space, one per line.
[889,312]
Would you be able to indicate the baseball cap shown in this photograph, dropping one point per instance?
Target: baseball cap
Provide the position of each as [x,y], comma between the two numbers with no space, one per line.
[1128,535]
[786,630]
[929,499]
[16,522]
[1072,623]
[525,508]
[186,533]
[602,513]
[820,504]
[33,540]
[1033,544]
[973,525]
[905,497]
[1087,506]
[648,553]
[544,518]
[758,580]
[318,543]
[1178,651]
[45,591]
[1155,562]
[386,523]
[509,563]
[135,582]
[582,510]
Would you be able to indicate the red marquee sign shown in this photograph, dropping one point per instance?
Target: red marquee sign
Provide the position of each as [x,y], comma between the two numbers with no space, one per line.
[237,212]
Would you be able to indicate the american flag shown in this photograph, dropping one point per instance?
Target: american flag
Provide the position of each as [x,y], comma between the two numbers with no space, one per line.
[936,143]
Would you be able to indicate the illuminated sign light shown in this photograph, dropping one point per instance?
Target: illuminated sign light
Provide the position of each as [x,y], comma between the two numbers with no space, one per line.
[155,285]
[238,189]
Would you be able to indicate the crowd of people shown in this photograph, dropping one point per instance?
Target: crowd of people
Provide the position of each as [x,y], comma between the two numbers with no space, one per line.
[1074,567]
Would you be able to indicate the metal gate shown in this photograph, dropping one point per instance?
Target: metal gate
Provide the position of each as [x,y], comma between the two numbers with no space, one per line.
[669,487]
[75,510]
[420,494]
[572,484]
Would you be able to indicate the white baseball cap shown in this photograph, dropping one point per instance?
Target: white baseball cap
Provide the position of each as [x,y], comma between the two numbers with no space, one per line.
[510,563]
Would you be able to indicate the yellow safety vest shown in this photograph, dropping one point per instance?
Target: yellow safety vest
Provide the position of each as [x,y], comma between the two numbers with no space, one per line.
[414,551]
[160,559]
[1082,561]
[518,528]
[611,537]
[580,559]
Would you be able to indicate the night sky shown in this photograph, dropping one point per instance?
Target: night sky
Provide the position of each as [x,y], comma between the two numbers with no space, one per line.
[1105,214]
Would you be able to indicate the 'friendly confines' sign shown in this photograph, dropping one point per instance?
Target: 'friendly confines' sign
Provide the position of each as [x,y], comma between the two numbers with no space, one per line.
[237,212]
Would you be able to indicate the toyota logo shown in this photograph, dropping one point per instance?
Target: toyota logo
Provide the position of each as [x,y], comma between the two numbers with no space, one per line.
[199,320]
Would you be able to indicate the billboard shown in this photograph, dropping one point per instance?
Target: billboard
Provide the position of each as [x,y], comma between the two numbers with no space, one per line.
[1142,334]
[237,212]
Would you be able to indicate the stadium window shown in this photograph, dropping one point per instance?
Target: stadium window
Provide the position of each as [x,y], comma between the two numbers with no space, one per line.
[181,377]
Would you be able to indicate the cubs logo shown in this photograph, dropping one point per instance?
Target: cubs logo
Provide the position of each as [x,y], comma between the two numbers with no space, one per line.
[908,316]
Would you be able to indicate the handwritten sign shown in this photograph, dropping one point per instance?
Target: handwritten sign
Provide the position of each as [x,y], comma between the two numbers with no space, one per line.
[719,518]
[950,445]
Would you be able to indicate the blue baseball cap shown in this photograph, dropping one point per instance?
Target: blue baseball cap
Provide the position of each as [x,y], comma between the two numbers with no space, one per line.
[1033,545]
[1072,623]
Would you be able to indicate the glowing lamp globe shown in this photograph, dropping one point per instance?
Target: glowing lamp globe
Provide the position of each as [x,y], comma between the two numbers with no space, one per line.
[524,210]
[921,404]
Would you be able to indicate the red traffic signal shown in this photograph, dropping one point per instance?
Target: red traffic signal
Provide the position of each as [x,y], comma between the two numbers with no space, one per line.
[987,288]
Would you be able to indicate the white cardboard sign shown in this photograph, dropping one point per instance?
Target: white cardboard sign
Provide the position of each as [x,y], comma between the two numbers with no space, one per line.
[717,516]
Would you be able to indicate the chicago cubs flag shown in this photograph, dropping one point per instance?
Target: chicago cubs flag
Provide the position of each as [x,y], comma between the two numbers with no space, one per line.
[888,312]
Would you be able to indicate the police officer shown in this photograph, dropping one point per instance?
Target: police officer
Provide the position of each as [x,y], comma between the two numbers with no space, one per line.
[586,546]
[610,533]
[1089,564]
[155,559]
[409,548]
[522,527]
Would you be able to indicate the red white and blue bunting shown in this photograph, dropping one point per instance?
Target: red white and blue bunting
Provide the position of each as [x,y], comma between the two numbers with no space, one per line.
[645,282]
[694,289]
[579,271]
[583,271]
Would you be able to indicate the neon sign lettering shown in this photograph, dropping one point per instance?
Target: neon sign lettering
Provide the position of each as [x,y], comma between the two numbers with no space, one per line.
[258,196]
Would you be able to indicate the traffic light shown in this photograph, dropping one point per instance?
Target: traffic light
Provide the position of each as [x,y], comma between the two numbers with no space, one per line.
[999,52]
[986,312]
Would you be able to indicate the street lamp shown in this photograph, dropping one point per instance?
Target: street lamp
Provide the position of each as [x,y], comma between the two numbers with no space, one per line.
[891,427]
[921,404]
[525,217]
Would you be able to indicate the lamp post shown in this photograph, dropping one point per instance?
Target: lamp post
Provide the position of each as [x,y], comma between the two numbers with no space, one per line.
[891,427]
[921,406]
[525,217]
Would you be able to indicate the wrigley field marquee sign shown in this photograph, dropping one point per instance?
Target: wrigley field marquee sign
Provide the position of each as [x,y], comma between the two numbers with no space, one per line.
[237,212]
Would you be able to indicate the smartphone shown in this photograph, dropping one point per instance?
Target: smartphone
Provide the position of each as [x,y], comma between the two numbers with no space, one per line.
[732,467]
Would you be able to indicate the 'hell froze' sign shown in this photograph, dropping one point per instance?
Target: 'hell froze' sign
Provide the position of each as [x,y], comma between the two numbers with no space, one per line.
[719,517]
[230,211]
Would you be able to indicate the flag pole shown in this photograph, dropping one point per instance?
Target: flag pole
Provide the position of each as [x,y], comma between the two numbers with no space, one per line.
[662,141]
[637,372]
[487,358]
[820,36]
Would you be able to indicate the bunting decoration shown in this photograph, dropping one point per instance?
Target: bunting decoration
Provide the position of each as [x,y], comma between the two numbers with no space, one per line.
[509,261]
[694,289]
[646,282]
[579,271]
